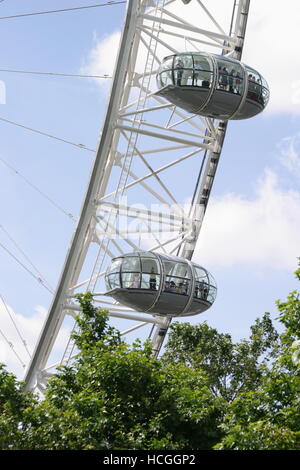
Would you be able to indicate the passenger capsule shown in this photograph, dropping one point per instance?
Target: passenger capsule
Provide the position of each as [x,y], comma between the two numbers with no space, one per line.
[160,284]
[212,85]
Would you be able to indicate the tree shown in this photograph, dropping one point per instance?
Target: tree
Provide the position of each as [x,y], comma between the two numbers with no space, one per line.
[230,367]
[118,397]
[269,416]
[13,403]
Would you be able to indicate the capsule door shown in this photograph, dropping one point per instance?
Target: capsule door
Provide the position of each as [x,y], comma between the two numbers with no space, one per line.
[175,290]
[228,89]
[257,95]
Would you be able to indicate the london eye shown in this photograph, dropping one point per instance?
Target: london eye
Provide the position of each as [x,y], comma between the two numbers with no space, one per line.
[177,83]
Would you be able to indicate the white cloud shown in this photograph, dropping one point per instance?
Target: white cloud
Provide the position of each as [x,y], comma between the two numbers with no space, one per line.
[289,154]
[102,57]
[28,327]
[262,231]
[272,47]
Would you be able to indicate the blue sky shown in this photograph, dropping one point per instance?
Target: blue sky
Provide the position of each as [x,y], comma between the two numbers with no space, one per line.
[250,237]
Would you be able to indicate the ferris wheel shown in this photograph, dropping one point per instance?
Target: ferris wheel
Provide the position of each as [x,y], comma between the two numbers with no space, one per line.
[177,82]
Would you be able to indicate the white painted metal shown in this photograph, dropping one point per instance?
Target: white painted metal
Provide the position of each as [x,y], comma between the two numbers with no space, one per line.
[138,183]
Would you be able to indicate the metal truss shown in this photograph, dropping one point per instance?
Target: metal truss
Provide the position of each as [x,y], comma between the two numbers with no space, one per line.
[153,170]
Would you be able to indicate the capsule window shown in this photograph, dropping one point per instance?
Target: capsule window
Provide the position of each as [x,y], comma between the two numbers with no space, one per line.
[212,294]
[183,70]
[113,281]
[167,63]
[181,270]
[150,281]
[255,90]
[115,266]
[177,285]
[150,273]
[230,77]
[200,274]
[253,75]
[131,272]
[212,289]
[166,72]
[202,284]
[131,280]
[265,96]
[177,277]
[131,264]
[112,277]
[187,77]
[203,71]
[166,78]
[264,82]
[211,279]
[150,265]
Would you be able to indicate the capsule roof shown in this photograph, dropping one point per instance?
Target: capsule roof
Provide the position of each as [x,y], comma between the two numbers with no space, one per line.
[212,85]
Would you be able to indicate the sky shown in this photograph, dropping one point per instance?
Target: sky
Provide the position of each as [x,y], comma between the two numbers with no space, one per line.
[250,237]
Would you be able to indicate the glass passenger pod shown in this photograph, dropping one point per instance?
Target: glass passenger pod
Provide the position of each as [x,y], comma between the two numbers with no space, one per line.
[212,85]
[160,284]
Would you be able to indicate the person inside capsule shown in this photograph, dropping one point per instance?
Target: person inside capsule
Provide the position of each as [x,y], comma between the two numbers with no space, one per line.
[178,71]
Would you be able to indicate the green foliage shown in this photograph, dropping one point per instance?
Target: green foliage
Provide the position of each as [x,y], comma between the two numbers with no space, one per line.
[120,397]
[260,435]
[268,417]
[13,404]
[92,325]
[290,317]
[230,368]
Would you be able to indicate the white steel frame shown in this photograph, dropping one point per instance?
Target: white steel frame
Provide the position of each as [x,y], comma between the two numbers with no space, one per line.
[140,129]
